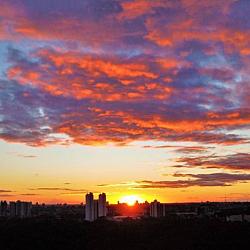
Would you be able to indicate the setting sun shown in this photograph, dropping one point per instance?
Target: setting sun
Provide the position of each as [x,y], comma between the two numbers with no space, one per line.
[131,199]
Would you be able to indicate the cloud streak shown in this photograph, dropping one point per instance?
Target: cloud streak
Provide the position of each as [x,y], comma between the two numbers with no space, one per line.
[58,189]
[239,161]
[190,180]
[181,149]
[200,180]
[5,191]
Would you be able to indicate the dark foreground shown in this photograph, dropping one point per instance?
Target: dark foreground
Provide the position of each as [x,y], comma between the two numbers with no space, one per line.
[171,234]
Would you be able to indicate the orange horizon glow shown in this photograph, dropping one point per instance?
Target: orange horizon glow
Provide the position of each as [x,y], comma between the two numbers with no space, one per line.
[130,200]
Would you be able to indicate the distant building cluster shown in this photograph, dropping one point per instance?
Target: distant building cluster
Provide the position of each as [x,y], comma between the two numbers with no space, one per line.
[100,208]
[238,217]
[95,209]
[20,209]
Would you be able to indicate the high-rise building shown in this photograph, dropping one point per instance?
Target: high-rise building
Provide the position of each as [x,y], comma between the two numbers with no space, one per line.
[102,205]
[89,207]
[95,208]
[156,209]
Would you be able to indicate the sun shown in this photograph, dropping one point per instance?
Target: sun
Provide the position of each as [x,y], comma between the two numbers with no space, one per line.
[131,199]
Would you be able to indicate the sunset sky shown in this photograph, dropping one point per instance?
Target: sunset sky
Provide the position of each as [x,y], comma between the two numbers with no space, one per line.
[128,97]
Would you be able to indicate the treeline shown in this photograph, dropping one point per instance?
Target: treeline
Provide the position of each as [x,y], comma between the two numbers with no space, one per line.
[150,234]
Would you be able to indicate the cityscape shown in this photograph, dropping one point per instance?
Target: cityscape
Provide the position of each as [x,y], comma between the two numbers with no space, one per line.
[96,209]
[124,124]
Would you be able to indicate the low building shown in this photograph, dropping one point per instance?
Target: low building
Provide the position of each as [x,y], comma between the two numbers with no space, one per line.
[238,217]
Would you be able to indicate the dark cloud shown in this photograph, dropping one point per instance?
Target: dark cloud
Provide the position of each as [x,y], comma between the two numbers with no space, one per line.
[29,194]
[5,191]
[161,146]
[27,156]
[201,180]
[191,150]
[6,195]
[22,155]
[182,149]
[210,137]
[239,161]
[74,193]
[58,189]
[188,180]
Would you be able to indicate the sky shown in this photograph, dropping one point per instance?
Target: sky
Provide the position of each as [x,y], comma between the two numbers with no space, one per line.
[128,97]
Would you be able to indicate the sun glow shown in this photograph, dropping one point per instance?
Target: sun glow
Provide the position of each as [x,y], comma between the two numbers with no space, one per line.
[131,199]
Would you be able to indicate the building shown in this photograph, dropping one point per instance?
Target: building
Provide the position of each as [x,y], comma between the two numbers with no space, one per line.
[235,217]
[23,209]
[246,217]
[20,209]
[12,209]
[156,209]
[89,207]
[102,205]
[95,209]
[3,209]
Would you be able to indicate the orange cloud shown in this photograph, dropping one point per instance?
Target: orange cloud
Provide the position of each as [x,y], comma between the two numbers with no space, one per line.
[138,70]
[190,29]
[134,9]
[81,76]
[208,122]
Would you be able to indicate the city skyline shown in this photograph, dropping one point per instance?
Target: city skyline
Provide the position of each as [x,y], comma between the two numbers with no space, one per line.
[140,100]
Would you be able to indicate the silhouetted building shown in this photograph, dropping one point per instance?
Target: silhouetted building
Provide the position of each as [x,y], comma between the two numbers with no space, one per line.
[156,209]
[102,205]
[89,207]
[12,209]
[20,209]
[95,208]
